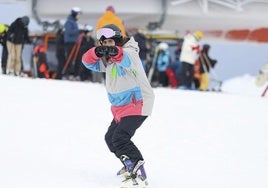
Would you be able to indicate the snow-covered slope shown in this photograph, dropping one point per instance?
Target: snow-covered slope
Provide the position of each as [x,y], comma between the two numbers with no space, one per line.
[52,136]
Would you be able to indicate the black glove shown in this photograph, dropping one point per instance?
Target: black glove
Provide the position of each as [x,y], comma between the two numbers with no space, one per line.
[113,51]
[102,51]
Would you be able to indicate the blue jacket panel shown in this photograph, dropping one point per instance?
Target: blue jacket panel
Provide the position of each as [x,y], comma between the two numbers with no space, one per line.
[163,61]
[125,97]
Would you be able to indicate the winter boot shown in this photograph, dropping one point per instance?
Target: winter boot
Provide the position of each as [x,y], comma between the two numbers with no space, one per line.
[134,173]
[126,170]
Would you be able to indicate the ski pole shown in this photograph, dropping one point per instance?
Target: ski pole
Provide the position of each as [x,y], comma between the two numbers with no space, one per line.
[203,63]
[264,92]
[215,77]
[211,68]
[69,59]
[78,47]
[152,68]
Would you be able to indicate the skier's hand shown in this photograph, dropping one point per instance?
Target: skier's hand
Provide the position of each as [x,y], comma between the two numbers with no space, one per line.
[112,51]
[116,54]
[101,51]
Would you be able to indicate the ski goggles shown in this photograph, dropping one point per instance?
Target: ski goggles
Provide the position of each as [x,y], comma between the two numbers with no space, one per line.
[107,33]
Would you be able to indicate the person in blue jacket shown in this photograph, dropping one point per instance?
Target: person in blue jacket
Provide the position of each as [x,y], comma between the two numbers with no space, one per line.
[163,61]
[71,33]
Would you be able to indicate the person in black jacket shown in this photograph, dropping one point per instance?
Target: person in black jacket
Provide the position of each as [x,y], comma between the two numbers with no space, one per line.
[3,42]
[60,52]
[144,47]
[86,43]
[17,35]
[206,63]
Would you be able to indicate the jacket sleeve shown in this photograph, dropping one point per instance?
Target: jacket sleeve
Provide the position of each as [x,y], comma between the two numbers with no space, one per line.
[122,59]
[91,61]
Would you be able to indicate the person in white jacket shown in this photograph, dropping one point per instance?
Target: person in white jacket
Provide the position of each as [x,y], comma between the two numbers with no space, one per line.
[189,54]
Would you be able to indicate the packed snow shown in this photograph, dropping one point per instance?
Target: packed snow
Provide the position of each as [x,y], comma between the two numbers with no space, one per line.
[52,136]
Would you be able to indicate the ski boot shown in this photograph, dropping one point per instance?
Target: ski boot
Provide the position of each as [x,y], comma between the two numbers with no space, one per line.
[134,174]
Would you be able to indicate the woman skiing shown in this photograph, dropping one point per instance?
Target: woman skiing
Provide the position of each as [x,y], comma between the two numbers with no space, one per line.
[129,93]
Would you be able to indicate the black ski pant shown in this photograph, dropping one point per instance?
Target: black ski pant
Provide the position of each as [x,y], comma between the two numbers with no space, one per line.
[61,62]
[187,74]
[4,58]
[118,137]
[68,51]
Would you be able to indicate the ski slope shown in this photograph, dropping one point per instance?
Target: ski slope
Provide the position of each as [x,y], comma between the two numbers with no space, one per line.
[52,136]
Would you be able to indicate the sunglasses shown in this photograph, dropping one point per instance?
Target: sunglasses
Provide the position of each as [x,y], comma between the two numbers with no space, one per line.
[107,33]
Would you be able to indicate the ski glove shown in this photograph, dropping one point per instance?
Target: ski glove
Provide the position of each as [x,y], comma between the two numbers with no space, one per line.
[113,51]
[101,51]
[116,54]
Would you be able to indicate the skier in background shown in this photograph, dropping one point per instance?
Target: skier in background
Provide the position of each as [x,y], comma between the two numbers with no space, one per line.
[189,53]
[163,60]
[3,41]
[17,35]
[206,63]
[86,43]
[60,52]
[71,33]
[40,59]
[130,95]
[109,17]
[144,47]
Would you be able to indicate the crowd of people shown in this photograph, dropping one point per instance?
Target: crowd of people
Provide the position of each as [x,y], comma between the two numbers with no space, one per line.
[188,70]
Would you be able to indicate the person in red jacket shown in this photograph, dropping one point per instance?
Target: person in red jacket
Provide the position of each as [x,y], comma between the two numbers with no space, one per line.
[40,59]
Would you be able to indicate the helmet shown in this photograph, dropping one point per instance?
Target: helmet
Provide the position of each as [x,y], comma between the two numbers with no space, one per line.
[110,31]
[163,46]
[198,34]
[25,20]
[88,28]
[75,11]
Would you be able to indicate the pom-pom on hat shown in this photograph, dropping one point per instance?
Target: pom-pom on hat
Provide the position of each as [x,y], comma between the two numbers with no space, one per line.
[110,8]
